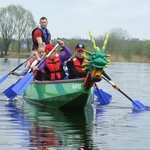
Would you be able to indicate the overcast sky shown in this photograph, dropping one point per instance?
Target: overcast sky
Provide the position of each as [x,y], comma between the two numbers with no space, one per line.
[74,18]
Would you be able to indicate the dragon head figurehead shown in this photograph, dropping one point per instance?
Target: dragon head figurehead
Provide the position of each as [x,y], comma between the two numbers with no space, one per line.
[96,62]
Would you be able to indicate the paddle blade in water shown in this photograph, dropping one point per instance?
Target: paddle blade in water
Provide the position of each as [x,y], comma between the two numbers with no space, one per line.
[23,83]
[107,95]
[9,92]
[136,104]
[103,97]
[4,78]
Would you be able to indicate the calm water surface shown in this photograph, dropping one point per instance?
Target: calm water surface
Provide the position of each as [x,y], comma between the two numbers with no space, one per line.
[115,126]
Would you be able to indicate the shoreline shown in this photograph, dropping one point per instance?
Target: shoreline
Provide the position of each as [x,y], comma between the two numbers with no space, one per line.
[112,58]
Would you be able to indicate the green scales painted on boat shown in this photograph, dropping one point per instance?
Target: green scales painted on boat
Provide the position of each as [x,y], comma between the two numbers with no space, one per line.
[61,94]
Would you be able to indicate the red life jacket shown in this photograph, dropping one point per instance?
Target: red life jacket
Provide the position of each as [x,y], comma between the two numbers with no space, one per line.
[28,62]
[31,61]
[55,68]
[77,64]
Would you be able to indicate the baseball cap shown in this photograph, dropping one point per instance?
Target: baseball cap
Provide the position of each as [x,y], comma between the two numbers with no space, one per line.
[79,46]
[49,47]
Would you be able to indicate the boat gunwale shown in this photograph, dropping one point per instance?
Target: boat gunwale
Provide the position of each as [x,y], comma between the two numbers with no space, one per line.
[57,81]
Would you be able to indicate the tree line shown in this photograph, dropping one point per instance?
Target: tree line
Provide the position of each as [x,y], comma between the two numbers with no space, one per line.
[17,23]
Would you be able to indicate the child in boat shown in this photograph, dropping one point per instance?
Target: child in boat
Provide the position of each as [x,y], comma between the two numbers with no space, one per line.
[41,52]
[62,51]
[52,68]
[28,65]
[75,65]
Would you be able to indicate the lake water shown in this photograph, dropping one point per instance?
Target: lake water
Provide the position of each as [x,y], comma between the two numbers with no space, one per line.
[115,126]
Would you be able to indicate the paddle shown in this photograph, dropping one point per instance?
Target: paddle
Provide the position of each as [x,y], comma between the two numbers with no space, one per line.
[135,103]
[28,78]
[103,97]
[9,92]
[5,76]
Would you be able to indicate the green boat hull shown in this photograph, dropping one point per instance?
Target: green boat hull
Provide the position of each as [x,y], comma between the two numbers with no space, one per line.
[63,94]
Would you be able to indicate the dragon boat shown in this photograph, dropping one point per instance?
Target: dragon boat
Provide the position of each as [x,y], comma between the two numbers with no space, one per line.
[70,93]
[63,94]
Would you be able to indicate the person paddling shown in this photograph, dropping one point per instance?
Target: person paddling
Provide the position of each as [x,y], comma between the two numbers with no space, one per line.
[52,68]
[28,65]
[41,52]
[75,68]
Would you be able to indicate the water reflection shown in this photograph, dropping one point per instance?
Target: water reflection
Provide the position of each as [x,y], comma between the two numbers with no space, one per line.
[114,126]
[37,127]
[42,127]
[13,127]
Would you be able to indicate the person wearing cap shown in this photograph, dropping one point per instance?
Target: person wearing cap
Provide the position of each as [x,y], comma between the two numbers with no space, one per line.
[75,65]
[52,68]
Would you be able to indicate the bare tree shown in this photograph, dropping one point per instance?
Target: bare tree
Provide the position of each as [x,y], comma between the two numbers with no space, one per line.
[25,24]
[117,40]
[15,23]
[7,26]
[120,34]
[28,33]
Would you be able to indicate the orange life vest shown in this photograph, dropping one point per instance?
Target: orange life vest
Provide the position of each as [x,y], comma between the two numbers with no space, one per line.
[54,68]
[77,64]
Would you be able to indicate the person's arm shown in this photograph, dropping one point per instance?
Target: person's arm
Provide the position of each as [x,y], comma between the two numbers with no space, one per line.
[106,75]
[38,36]
[42,66]
[22,72]
[72,70]
[39,40]
[50,39]
[67,54]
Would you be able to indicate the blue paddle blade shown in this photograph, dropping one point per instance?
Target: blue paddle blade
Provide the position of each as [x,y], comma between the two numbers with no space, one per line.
[23,83]
[4,78]
[9,92]
[107,95]
[103,97]
[136,104]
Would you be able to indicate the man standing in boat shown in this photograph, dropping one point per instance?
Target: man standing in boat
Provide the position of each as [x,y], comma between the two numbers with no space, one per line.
[41,33]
